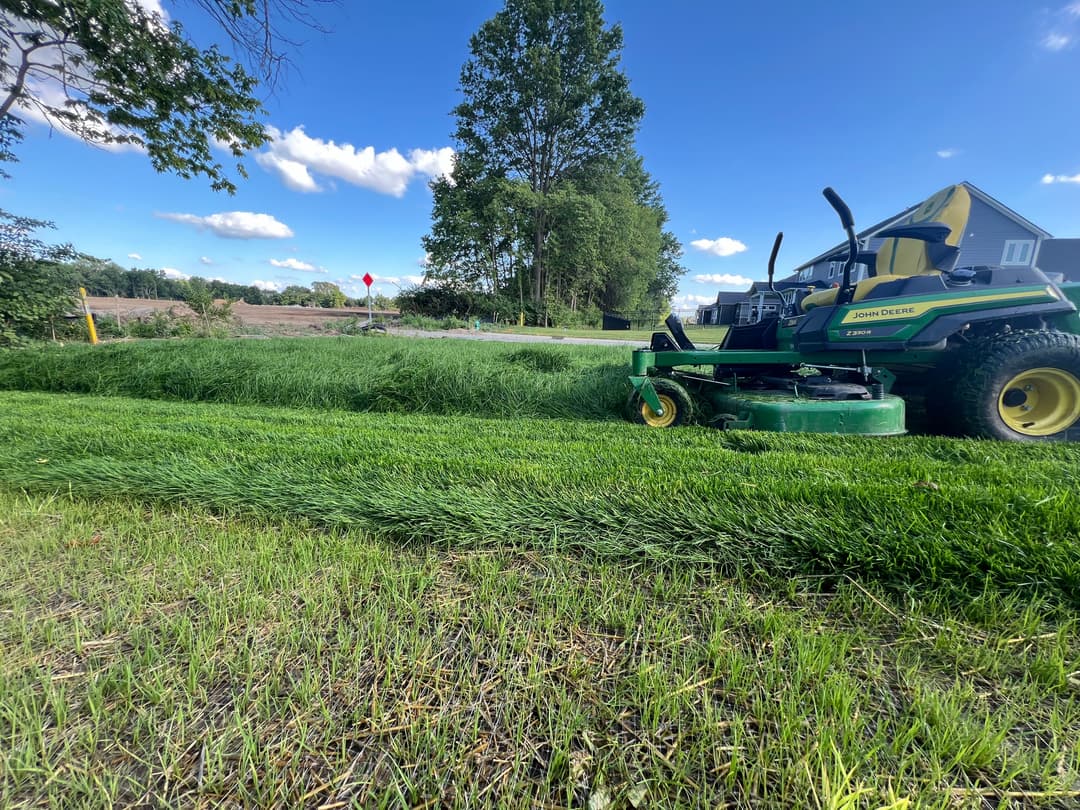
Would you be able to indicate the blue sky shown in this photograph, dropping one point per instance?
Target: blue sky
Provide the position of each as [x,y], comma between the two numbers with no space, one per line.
[751,109]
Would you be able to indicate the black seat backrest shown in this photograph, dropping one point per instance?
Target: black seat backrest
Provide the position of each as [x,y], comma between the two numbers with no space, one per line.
[674,325]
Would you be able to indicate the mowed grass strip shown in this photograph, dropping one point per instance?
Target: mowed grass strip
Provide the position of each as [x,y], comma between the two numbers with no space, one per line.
[172,657]
[914,514]
[384,374]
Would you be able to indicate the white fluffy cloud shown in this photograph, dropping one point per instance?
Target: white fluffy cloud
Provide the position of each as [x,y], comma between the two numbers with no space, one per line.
[1056,41]
[295,155]
[292,173]
[269,286]
[689,300]
[433,162]
[1060,178]
[135,256]
[724,246]
[296,264]
[172,272]
[206,260]
[235,224]
[725,280]
[416,281]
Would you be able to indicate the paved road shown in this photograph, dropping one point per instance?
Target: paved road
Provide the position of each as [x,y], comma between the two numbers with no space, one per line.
[508,337]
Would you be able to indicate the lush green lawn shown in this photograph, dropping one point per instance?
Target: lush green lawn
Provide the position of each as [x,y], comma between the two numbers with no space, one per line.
[912,513]
[169,656]
[218,602]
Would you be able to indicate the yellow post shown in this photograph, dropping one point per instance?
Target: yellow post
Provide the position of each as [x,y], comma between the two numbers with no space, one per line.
[521,319]
[89,317]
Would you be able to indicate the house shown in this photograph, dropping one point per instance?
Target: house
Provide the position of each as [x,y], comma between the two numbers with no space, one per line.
[994,235]
[1060,257]
[990,233]
[740,307]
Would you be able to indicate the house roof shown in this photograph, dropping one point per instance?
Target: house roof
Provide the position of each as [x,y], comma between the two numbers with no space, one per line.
[972,189]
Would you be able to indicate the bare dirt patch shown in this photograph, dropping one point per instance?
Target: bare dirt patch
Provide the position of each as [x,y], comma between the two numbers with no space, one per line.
[271,318]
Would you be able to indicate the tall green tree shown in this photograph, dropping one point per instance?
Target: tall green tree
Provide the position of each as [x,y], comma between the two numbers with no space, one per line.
[112,71]
[35,286]
[544,98]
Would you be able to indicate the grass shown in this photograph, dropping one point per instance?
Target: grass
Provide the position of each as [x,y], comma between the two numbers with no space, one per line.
[365,374]
[168,656]
[957,517]
[223,603]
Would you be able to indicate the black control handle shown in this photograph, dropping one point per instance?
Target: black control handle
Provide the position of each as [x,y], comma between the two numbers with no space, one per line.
[840,207]
[772,259]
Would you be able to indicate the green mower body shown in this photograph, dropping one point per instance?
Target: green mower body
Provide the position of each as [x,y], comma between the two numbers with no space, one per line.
[990,351]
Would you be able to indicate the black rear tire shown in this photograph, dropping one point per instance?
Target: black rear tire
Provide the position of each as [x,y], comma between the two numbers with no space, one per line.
[1022,386]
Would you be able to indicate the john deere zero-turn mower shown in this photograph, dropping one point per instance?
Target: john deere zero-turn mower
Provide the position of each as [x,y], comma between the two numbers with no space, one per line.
[991,351]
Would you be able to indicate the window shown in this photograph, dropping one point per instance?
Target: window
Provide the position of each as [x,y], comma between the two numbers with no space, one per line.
[1017,251]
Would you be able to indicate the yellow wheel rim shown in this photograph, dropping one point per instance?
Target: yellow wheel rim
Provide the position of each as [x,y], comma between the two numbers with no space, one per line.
[1040,401]
[652,419]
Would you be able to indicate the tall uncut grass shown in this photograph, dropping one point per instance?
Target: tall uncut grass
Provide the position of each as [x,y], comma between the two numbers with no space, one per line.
[958,517]
[363,374]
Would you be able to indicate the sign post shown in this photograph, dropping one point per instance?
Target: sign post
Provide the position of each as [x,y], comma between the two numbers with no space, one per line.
[367,280]
[89,318]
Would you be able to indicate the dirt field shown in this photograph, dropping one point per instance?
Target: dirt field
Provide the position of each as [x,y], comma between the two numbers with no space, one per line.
[293,321]
[285,319]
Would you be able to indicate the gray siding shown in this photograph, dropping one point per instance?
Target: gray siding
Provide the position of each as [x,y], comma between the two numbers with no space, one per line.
[987,232]
[821,271]
[1060,256]
[984,241]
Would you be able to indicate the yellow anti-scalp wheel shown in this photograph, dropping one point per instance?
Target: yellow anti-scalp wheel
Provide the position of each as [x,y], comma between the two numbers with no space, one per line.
[674,399]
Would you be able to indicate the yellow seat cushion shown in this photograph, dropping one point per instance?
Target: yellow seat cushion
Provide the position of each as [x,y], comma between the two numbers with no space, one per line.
[825,298]
[901,258]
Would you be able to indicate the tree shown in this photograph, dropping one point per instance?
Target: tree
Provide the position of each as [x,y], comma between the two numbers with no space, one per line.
[294,295]
[476,225]
[35,288]
[111,71]
[544,99]
[328,295]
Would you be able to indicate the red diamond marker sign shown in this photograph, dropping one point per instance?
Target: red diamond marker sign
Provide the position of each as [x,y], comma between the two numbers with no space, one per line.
[368,279]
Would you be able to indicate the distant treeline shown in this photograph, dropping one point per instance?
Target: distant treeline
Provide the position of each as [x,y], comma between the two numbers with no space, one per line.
[106,278]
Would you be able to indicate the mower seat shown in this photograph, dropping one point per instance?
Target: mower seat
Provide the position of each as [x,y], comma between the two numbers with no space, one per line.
[923,245]
[826,298]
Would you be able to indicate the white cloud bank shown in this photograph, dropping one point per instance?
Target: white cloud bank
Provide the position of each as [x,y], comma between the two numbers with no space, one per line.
[296,264]
[724,246]
[235,224]
[172,272]
[269,286]
[731,280]
[135,256]
[294,156]
[1060,178]
[690,300]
